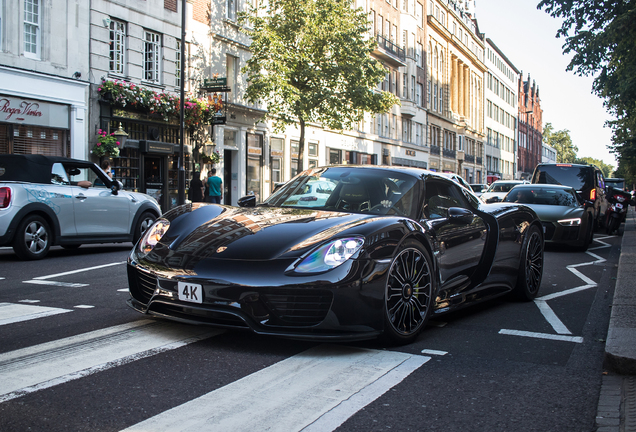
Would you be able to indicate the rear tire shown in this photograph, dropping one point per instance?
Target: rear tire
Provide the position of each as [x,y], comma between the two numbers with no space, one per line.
[612,225]
[408,296]
[530,266]
[33,238]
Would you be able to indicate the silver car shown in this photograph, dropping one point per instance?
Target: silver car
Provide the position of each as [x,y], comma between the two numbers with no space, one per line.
[46,201]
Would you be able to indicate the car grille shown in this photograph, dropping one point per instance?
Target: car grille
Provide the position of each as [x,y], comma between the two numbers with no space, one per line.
[298,308]
[548,230]
[570,233]
[142,285]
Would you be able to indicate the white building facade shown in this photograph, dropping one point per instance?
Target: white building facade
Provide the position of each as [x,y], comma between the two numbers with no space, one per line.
[44,65]
[502,80]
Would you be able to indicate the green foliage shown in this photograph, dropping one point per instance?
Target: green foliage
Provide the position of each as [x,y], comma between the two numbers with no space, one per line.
[607,170]
[311,63]
[561,142]
[600,34]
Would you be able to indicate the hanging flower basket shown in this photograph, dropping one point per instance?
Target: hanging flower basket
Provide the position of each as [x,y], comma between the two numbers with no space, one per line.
[107,145]
[214,158]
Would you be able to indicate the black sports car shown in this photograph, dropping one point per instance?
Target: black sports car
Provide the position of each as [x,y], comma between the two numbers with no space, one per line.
[388,248]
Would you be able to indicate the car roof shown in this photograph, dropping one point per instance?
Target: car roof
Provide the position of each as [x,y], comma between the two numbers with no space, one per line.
[33,168]
[542,186]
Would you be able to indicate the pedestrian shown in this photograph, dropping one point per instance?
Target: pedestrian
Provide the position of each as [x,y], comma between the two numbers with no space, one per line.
[195,192]
[107,169]
[215,187]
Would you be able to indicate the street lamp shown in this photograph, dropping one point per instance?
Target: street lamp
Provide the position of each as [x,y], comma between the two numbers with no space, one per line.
[121,136]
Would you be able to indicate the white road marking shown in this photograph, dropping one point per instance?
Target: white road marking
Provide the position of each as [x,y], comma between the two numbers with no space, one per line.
[79,270]
[551,317]
[535,335]
[123,290]
[28,301]
[42,366]
[325,386]
[434,352]
[12,313]
[41,280]
[83,307]
[55,283]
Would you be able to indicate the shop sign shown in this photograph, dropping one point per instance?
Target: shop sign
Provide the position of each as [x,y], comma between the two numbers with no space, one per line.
[254,150]
[33,112]
[156,147]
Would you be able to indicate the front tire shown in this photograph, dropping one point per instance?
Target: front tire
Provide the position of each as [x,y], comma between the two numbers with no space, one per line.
[144,222]
[409,291]
[33,238]
[530,266]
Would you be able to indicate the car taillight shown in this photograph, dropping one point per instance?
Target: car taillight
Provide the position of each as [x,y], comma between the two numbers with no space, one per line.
[593,195]
[5,197]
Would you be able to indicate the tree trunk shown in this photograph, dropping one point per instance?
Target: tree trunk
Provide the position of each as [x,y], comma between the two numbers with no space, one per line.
[301,147]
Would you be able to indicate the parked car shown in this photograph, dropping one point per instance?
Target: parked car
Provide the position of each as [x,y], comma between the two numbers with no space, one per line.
[459,179]
[389,248]
[479,189]
[616,183]
[312,193]
[587,180]
[47,201]
[564,216]
[498,190]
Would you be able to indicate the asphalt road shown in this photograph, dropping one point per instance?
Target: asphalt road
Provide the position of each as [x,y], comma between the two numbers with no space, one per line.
[74,357]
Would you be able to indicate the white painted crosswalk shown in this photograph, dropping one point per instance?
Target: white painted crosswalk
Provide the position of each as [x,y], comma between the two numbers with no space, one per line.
[316,390]
[42,366]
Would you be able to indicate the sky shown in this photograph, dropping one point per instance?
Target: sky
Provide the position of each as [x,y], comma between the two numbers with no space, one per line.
[527,36]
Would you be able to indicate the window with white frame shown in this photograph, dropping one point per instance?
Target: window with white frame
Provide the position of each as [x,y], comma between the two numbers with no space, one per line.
[419,138]
[407,126]
[413,88]
[152,56]
[231,9]
[117,46]
[231,72]
[177,65]
[32,28]
[405,93]
[418,96]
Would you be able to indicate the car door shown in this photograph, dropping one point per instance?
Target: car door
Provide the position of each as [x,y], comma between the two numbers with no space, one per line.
[460,243]
[98,211]
[58,196]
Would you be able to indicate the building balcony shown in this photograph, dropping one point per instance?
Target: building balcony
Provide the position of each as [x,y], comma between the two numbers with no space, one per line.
[389,52]
[450,153]
[408,108]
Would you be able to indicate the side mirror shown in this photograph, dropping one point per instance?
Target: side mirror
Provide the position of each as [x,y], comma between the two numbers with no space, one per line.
[247,201]
[460,216]
[492,200]
[116,186]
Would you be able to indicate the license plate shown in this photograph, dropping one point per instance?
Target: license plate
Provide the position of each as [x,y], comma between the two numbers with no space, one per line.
[190,292]
[619,205]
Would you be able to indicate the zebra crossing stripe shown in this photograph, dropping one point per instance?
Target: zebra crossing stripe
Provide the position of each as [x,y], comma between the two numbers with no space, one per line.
[316,390]
[42,366]
[12,313]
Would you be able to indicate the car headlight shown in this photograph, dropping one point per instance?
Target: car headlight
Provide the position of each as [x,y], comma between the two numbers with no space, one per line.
[153,235]
[570,222]
[330,255]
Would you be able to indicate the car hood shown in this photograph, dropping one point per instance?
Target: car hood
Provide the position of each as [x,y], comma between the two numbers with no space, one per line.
[553,213]
[260,233]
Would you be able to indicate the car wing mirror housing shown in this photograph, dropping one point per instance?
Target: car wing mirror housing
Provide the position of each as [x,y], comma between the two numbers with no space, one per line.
[247,201]
[116,187]
[492,200]
[460,216]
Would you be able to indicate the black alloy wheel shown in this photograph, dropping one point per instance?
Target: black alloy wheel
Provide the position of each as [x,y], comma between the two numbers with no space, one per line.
[409,293]
[531,265]
[33,238]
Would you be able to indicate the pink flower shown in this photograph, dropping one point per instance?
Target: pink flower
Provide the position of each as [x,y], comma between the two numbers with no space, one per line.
[98,144]
[117,143]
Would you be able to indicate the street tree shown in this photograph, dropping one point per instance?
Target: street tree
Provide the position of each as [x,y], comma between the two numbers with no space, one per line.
[606,169]
[561,142]
[311,63]
[600,34]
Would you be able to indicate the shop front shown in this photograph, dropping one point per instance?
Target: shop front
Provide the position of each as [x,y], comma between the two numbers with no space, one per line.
[149,159]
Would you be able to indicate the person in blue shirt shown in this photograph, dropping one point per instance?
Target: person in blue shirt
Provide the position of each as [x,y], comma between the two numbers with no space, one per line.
[215,187]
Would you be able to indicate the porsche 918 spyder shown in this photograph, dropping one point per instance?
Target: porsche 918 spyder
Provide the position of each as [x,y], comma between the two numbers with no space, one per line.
[386,250]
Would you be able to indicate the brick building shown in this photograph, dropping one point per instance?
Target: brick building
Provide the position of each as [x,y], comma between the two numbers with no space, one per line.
[530,129]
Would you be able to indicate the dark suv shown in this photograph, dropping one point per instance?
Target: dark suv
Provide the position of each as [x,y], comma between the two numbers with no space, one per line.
[587,180]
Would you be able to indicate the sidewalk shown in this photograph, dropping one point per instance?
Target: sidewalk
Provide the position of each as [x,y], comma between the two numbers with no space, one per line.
[617,402]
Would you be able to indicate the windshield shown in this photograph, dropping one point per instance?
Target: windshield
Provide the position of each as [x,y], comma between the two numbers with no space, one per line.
[355,190]
[579,177]
[501,187]
[543,196]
